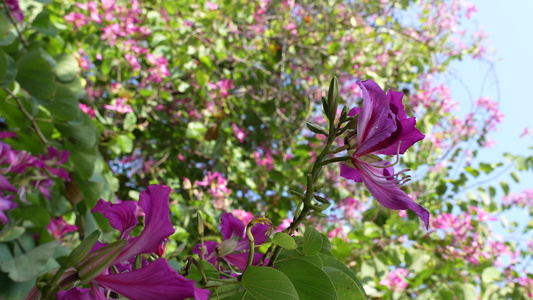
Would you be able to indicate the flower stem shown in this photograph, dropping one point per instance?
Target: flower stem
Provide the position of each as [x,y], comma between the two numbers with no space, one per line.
[312,177]
[252,243]
[25,112]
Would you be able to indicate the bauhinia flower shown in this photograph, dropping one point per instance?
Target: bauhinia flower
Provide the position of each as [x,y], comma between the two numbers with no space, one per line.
[156,279]
[236,245]
[382,128]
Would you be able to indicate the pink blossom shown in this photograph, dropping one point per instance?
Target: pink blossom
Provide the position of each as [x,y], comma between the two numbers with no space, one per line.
[6,203]
[526,132]
[210,5]
[217,187]
[396,280]
[58,228]
[87,109]
[243,215]
[239,133]
[119,106]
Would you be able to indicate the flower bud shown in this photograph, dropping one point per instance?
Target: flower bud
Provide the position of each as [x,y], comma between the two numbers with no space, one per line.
[98,261]
[333,98]
[227,246]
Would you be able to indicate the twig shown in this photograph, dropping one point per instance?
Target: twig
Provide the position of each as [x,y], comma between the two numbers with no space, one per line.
[25,112]
[10,16]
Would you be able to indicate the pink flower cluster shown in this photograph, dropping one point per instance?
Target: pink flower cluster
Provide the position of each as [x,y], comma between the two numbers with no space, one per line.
[87,109]
[218,188]
[239,132]
[263,158]
[524,198]
[527,283]
[59,228]
[396,280]
[28,171]
[223,87]
[466,242]
[121,26]
[120,106]
[494,115]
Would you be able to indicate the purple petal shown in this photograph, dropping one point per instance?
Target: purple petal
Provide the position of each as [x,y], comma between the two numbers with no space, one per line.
[230,226]
[259,232]
[122,216]
[237,259]
[6,186]
[6,204]
[7,134]
[154,203]
[80,294]
[58,172]
[156,281]
[208,252]
[354,111]
[240,260]
[376,121]
[387,193]
[407,133]
[350,173]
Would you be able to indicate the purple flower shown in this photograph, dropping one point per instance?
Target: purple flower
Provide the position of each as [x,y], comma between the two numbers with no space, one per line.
[15,9]
[55,157]
[383,128]
[236,245]
[6,203]
[153,280]
[58,228]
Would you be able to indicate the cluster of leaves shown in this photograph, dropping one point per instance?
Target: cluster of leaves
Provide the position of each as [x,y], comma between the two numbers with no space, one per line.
[211,99]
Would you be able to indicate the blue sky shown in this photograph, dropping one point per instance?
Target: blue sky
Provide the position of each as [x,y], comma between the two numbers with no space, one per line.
[509,25]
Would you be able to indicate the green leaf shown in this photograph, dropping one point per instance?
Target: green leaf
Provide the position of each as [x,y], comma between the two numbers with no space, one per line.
[82,133]
[312,241]
[10,233]
[64,106]
[67,67]
[267,283]
[83,159]
[284,240]
[316,128]
[505,187]
[35,75]
[332,262]
[195,130]
[43,25]
[345,287]
[26,266]
[3,65]
[11,72]
[310,281]
[515,177]
[209,271]
[490,275]
[5,25]
[464,291]
[129,121]
[125,142]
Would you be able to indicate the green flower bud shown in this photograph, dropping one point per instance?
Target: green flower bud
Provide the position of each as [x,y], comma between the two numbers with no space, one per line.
[98,261]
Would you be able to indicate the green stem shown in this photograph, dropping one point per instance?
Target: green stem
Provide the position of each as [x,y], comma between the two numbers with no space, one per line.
[252,243]
[335,159]
[307,201]
[25,112]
